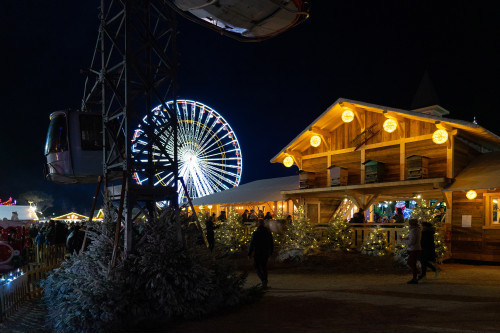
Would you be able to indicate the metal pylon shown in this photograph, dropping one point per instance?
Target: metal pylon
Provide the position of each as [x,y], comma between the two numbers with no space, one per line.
[132,71]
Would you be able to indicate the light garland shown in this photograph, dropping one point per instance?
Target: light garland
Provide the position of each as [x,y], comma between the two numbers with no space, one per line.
[315,141]
[347,116]
[390,125]
[440,136]
[288,161]
[471,194]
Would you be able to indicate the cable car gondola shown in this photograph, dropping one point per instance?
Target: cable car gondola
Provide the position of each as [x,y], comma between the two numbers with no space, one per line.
[73,147]
[244,20]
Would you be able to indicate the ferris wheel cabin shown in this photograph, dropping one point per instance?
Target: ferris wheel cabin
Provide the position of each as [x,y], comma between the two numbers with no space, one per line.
[260,20]
[73,147]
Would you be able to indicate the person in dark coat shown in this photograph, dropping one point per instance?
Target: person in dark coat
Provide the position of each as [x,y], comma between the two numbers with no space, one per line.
[428,255]
[222,217]
[245,216]
[210,223]
[261,247]
[399,218]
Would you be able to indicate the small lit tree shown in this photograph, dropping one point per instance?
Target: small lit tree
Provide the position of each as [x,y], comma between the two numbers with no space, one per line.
[339,234]
[231,234]
[376,244]
[298,239]
[400,249]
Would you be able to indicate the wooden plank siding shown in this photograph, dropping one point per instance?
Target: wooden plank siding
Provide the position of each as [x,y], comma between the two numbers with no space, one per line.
[435,153]
[467,242]
[463,155]
[351,161]
[389,155]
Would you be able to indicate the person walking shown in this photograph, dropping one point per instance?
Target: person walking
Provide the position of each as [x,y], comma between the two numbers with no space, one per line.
[428,254]
[414,248]
[261,247]
[210,223]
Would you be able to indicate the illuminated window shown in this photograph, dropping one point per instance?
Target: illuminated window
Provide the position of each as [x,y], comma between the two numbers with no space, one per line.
[495,210]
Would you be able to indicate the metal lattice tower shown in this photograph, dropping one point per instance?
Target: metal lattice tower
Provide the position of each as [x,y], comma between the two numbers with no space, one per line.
[133,70]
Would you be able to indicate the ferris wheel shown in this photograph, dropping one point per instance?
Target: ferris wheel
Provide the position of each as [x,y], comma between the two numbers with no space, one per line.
[208,151]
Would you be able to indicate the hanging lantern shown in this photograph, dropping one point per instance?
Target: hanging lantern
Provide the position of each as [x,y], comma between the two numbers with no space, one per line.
[315,141]
[440,136]
[390,125]
[471,194]
[288,161]
[347,116]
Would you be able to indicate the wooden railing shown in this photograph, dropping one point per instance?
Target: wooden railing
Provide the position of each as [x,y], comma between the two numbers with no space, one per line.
[22,284]
[361,232]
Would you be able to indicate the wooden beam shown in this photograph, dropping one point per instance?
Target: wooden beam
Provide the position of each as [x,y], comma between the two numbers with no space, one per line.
[296,156]
[402,161]
[450,161]
[370,146]
[442,126]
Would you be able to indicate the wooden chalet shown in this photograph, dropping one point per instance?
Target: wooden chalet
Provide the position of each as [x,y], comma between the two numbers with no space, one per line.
[366,154]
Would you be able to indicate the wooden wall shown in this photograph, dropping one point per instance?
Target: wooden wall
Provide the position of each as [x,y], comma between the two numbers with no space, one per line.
[475,242]
[389,155]
[463,154]
[435,153]
[351,161]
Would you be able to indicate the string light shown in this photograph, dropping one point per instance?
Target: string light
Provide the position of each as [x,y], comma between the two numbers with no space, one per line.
[347,116]
[471,194]
[390,125]
[315,141]
[288,161]
[440,136]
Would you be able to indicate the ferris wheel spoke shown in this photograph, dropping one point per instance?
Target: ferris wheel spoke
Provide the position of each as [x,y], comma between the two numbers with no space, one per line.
[225,166]
[224,175]
[209,156]
[219,174]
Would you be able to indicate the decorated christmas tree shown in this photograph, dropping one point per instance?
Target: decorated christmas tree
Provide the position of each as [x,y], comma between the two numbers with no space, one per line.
[298,238]
[422,212]
[376,243]
[339,234]
[400,250]
[231,235]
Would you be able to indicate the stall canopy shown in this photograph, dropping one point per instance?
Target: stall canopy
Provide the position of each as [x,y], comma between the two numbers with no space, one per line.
[267,190]
[481,173]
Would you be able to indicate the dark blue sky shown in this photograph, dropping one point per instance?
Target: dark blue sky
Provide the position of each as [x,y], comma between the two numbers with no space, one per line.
[372,51]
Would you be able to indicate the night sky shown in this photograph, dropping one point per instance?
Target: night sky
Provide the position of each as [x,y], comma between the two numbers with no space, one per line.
[371,51]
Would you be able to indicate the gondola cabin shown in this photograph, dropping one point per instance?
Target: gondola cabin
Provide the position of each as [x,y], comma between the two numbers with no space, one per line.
[74,147]
[261,20]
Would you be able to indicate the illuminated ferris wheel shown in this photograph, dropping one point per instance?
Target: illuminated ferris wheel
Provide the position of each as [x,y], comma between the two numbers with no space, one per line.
[208,151]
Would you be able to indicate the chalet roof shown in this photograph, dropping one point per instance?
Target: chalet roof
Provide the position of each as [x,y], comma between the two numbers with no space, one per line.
[267,190]
[332,116]
[481,173]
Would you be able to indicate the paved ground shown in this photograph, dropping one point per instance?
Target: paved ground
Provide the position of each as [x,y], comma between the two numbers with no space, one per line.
[323,298]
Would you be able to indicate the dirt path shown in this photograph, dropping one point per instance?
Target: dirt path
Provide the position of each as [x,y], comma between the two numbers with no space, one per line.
[464,298]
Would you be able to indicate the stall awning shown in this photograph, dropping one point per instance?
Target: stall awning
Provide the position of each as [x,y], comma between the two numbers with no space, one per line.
[267,190]
[481,173]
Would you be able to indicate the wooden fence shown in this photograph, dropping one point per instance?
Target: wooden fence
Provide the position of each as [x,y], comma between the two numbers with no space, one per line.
[24,283]
[360,232]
